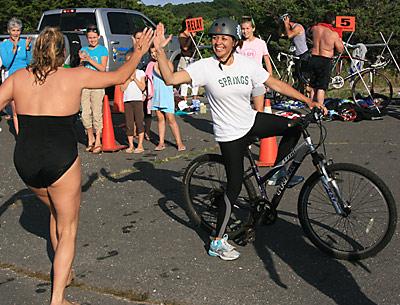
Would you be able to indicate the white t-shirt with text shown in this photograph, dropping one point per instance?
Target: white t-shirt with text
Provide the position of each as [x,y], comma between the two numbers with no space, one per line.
[132,92]
[229,93]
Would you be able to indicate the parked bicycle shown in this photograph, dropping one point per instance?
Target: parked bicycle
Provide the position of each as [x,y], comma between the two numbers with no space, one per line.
[345,210]
[369,86]
[299,82]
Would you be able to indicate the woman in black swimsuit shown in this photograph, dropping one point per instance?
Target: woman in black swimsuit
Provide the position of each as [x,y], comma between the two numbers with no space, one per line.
[47,99]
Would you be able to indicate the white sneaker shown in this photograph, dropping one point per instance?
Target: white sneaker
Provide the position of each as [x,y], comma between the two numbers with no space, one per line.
[222,249]
[228,246]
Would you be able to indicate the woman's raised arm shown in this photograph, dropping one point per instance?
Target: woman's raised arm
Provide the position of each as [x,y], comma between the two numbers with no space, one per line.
[170,77]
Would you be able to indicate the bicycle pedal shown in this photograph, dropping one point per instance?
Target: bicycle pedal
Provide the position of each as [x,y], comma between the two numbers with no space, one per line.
[251,235]
[248,236]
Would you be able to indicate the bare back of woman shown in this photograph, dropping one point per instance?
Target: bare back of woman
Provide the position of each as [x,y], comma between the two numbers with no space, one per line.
[47,98]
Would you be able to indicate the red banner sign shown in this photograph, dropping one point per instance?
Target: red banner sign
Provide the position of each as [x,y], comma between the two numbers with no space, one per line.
[194,24]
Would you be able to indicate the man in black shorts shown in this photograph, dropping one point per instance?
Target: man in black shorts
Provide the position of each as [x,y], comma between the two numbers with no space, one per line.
[325,41]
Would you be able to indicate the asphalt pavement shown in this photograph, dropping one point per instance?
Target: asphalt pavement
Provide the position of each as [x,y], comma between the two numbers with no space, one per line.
[136,245]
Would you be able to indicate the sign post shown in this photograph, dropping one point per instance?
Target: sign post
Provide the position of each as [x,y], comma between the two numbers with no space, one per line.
[194,25]
[348,24]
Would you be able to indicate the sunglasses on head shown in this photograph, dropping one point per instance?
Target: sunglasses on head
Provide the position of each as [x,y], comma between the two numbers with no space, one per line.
[94,30]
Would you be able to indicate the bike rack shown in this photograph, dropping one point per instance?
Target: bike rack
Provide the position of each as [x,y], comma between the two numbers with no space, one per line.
[385,46]
[357,70]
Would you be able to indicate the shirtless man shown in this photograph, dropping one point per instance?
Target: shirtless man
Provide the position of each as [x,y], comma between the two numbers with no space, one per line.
[325,41]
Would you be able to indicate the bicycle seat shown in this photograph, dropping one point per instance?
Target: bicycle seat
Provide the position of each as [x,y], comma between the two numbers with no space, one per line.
[379,64]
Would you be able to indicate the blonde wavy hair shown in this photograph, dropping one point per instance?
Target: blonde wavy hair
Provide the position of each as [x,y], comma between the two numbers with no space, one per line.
[48,54]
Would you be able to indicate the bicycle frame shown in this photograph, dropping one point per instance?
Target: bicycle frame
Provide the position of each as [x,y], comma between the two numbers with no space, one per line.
[351,75]
[297,156]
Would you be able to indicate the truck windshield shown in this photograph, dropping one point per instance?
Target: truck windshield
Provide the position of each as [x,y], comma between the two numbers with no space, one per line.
[68,21]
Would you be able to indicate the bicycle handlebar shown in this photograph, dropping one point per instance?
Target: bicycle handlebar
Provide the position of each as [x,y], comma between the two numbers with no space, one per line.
[315,116]
[288,56]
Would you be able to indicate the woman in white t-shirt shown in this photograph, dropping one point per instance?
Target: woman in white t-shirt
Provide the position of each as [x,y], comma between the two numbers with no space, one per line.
[133,102]
[230,79]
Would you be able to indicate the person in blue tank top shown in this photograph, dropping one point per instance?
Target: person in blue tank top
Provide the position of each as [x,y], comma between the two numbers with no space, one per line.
[95,57]
[15,53]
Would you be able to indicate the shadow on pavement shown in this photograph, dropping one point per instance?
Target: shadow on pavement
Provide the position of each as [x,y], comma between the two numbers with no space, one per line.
[329,276]
[199,123]
[35,215]
[169,184]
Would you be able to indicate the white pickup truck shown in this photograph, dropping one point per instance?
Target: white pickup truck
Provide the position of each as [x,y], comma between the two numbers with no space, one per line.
[116,26]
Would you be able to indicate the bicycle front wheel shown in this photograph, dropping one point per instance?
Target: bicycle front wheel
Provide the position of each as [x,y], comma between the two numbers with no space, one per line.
[375,84]
[369,223]
[204,183]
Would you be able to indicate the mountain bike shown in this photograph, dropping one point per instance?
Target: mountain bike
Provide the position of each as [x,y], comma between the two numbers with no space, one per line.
[344,209]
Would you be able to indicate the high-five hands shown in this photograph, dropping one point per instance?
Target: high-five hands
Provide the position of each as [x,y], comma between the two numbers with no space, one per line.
[143,44]
[160,41]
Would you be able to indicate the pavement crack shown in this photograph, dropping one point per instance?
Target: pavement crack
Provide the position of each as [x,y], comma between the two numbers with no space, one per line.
[139,298]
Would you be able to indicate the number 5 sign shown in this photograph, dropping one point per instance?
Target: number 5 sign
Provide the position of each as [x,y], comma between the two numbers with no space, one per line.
[346,23]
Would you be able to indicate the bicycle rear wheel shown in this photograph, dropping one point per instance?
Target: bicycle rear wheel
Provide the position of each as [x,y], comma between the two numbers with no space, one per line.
[204,182]
[377,84]
[370,221]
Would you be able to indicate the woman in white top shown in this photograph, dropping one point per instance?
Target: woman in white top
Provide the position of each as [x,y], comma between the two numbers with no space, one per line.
[229,80]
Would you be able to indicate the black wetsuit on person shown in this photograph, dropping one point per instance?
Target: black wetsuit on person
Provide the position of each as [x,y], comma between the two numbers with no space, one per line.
[46,148]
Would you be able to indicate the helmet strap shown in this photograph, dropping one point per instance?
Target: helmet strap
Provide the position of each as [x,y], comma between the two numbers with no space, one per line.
[226,60]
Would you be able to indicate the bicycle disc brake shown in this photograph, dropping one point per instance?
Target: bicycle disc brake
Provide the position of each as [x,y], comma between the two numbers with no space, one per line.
[337,82]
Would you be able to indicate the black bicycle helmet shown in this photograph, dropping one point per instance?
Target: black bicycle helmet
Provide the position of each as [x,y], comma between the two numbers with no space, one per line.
[226,26]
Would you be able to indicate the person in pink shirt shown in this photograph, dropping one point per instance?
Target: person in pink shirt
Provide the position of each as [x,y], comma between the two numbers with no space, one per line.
[254,47]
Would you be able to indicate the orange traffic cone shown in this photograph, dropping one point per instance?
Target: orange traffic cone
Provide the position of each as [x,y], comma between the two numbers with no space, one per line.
[118,100]
[268,146]
[108,138]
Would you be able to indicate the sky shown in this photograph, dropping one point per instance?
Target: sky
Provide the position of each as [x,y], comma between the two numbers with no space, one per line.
[162,2]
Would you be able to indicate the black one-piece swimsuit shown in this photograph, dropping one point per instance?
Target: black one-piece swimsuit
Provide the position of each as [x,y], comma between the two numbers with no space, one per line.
[46,148]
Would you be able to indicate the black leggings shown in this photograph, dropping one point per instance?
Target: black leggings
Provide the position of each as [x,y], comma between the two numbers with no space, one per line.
[233,152]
